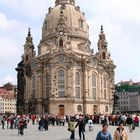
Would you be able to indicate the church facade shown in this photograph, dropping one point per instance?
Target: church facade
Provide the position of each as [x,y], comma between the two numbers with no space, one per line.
[66,76]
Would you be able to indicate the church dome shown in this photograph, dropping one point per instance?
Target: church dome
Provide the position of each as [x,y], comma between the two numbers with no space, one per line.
[71,15]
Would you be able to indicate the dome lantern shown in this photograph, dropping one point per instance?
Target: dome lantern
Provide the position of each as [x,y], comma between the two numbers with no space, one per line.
[57,2]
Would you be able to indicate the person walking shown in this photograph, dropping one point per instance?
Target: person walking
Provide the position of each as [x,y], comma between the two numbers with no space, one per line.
[81,125]
[120,133]
[90,124]
[3,123]
[136,120]
[46,123]
[129,122]
[71,127]
[41,124]
[21,126]
[104,134]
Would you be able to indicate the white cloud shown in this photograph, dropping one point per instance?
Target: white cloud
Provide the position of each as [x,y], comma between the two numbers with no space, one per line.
[9,52]
[3,21]
[9,25]
[125,10]
[7,79]
[32,8]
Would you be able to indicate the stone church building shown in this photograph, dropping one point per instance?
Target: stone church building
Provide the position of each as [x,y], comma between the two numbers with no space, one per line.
[66,76]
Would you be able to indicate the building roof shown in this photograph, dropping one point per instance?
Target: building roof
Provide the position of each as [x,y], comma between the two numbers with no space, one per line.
[130,82]
[137,83]
[135,87]
[6,94]
[8,86]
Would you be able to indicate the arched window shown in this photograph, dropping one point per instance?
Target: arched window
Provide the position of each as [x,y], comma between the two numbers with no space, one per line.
[48,85]
[106,108]
[77,84]
[94,86]
[79,108]
[61,83]
[61,43]
[105,88]
[33,86]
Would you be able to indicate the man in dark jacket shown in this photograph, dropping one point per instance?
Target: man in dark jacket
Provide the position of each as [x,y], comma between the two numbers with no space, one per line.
[81,125]
[129,122]
[46,123]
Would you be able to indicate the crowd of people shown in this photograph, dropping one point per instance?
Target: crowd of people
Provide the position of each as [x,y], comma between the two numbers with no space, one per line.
[20,122]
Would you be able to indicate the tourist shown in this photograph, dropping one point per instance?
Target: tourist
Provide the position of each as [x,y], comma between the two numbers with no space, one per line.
[136,120]
[120,133]
[71,127]
[90,124]
[3,123]
[129,122]
[21,126]
[81,125]
[104,134]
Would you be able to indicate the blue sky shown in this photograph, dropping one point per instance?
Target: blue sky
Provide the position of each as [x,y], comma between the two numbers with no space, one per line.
[120,19]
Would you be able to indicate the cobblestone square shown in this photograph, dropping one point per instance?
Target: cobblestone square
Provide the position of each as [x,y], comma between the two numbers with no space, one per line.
[58,133]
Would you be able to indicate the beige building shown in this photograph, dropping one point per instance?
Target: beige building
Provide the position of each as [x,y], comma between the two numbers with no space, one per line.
[7,102]
[67,76]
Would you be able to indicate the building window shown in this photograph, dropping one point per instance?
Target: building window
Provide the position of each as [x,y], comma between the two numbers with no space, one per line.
[79,108]
[106,108]
[81,23]
[105,88]
[46,25]
[39,50]
[95,109]
[48,85]
[77,84]
[94,86]
[61,43]
[61,83]
[103,55]
[33,86]
[26,58]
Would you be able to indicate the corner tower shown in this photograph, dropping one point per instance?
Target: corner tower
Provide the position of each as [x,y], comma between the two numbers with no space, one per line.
[29,52]
[102,46]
